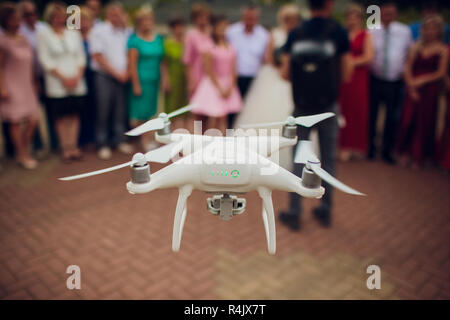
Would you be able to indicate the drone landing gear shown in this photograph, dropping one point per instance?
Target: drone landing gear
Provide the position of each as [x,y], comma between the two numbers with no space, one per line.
[180,216]
[268,218]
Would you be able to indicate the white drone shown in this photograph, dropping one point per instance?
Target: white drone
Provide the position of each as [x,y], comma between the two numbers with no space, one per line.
[225,167]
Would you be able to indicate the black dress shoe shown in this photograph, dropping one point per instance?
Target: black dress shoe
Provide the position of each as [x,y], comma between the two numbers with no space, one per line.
[371,155]
[323,216]
[291,221]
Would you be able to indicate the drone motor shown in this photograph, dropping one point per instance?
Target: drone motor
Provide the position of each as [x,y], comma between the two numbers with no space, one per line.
[140,169]
[310,179]
[289,131]
[166,129]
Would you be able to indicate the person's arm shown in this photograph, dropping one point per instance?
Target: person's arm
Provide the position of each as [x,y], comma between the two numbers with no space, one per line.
[103,63]
[346,67]
[436,75]
[344,55]
[81,59]
[209,70]
[407,72]
[368,53]
[233,79]
[189,79]
[133,56]
[447,76]
[3,91]
[268,55]
[285,65]
[188,60]
[285,59]
[165,81]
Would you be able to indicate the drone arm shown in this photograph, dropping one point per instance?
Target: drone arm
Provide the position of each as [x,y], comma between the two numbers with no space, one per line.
[278,178]
[180,216]
[268,218]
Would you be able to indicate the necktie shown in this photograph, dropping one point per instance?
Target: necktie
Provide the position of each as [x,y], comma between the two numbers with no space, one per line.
[386,53]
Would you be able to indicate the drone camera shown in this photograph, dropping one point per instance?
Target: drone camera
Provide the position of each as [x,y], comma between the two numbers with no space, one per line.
[310,179]
[140,174]
[226,205]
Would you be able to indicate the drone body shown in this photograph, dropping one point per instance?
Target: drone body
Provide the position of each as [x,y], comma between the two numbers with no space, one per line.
[225,167]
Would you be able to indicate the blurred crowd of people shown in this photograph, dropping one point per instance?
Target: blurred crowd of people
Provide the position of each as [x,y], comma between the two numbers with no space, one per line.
[96,82]
[89,85]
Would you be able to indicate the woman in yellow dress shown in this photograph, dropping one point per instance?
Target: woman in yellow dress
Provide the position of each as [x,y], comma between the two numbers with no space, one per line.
[176,91]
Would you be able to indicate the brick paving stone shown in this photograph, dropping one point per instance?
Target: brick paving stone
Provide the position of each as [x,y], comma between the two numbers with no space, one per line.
[122,243]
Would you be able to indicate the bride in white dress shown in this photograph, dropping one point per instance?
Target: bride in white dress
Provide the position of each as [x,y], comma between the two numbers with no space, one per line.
[269,98]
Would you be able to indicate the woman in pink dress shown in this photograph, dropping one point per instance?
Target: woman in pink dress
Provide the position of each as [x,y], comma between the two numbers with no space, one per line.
[217,94]
[425,68]
[197,41]
[354,95]
[18,99]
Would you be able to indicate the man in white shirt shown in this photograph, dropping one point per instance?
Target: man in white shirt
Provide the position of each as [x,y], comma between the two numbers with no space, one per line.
[108,49]
[391,42]
[250,40]
[30,26]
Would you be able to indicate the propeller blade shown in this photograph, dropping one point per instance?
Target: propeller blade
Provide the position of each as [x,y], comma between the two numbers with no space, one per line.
[180,111]
[332,180]
[309,121]
[305,153]
[160,155]
[262,125]
[164,153]
[306,121]
[150,125]
[94,173]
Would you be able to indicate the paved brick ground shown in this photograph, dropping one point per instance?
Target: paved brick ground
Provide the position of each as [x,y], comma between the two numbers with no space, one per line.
[122,243]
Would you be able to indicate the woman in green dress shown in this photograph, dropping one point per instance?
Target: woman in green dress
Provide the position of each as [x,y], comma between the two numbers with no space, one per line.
[145,57]
[176,91]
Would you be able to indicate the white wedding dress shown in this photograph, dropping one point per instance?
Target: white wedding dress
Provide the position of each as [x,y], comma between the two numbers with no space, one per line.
[269,99]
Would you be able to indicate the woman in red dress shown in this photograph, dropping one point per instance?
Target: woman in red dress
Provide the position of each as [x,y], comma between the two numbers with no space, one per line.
[424,70]
[444,144]
[354,95]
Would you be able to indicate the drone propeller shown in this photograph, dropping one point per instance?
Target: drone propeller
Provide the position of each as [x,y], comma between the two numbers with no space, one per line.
[157,123]
[160,155]
[305,154]
[305,121]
